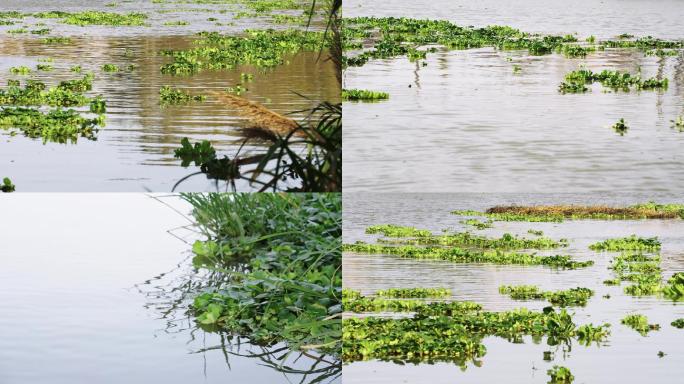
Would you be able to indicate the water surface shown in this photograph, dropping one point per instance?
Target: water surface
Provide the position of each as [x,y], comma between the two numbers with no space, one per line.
[468,122]
[92,288]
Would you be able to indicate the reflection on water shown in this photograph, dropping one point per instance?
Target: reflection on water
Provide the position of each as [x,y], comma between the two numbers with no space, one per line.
[72,269]
[134,152]
[468,122]
[626,357]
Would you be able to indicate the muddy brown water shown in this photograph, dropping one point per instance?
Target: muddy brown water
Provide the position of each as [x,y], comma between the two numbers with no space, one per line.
[134,152]
[626,357]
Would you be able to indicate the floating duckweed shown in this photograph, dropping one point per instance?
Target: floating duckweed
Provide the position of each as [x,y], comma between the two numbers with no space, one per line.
[639,323]
[363,95]
[415,292]
[631,243]
[7,186]
[564,298]
[104,18]
[560,375]
[620,127]
[22,70]
[170,95]
[460,255]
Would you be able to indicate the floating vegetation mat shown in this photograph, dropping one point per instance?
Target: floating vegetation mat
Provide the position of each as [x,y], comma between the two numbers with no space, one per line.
[366,38]
[451,332]
[279,255]
[363,95]
[558,213]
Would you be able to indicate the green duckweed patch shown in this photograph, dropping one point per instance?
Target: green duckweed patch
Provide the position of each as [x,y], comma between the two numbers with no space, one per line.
[563,298]
[261,48]
[281,261]
[7,186]
[363,95]
[639,323]
[631,243]
[461,255]
[168,95]
[560,375]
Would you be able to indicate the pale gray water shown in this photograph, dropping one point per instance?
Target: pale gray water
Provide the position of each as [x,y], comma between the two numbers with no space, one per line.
[135,150]
[82,299]
[627,357]
[469,123]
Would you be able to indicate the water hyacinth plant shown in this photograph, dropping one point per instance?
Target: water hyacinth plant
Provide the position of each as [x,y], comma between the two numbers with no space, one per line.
[279,255]
[631,243]
[7,186]
[639,323]
[363,95]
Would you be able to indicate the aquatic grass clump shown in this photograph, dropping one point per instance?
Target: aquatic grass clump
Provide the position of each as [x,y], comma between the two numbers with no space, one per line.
[631,243]
[639,323]
[461,255]
[86,18]
[363,95]
[57,125]
[563,298]
[560,375]
[7,186]
[168,95]
[280,264]
[414,292]
[261,48]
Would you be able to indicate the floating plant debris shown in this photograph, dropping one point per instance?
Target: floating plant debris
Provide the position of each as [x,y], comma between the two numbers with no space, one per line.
[169,95]
[620,127]
[68,93]
[558,213]
[479,225]
[679,323]
[560,375]
[363,95]
[674,289]
[460,255]
[104,18]
[59,125]
[639,323]
[391,230]
[414,292]
[631,243]
[7,186]
[564,298]
[23,70]
[575,81]
[110,68]
[265,48]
